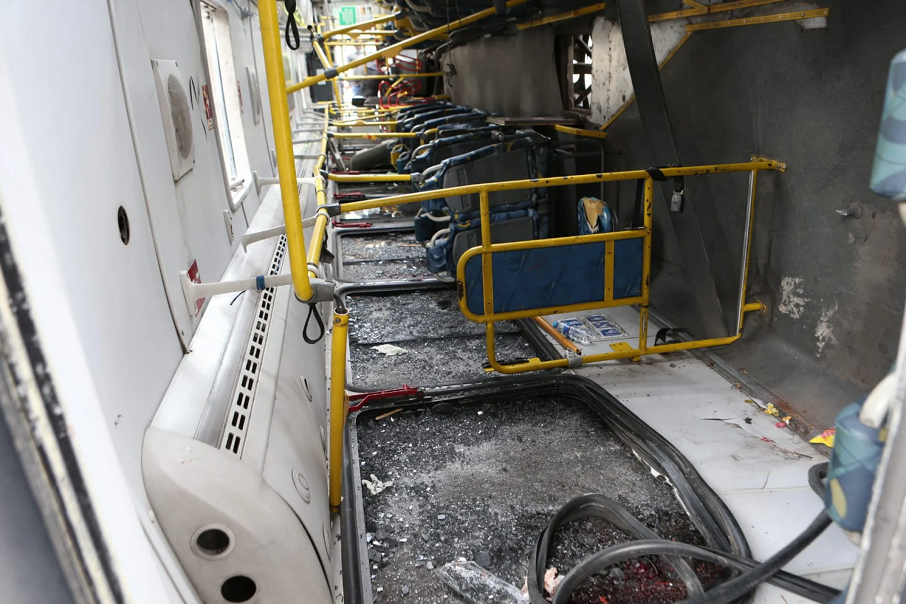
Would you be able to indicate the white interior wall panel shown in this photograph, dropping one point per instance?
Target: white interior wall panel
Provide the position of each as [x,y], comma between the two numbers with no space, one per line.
[70,102]
[188,214]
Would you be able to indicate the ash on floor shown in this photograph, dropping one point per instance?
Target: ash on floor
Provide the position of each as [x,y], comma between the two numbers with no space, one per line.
[481,482]
[441,345]
[383,256]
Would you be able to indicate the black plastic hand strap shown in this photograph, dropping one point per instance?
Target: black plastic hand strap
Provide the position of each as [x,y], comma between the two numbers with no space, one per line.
[313,311]
[292,30]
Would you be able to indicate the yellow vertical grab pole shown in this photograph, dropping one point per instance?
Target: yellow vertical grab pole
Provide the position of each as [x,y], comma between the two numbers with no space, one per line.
[283,146]
[339,403]
[648,222]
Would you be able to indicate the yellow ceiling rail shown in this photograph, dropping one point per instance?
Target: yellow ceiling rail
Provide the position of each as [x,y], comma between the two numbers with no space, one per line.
[594,8]
[372,32]
[369,178]
[795,16]
[357,26]
[395,49]
[353,123]
[698,5]
[579,131]
[374,135]
[390,76]
[700,9]
[354,43]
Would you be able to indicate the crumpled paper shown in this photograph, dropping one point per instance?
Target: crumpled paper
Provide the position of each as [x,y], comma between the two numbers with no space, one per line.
[375,485]
[389,349]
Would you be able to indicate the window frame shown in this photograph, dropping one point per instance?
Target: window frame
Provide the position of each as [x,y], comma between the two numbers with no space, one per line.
[217,54]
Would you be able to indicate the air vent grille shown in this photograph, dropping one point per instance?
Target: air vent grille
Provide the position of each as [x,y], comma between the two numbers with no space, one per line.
[243,397]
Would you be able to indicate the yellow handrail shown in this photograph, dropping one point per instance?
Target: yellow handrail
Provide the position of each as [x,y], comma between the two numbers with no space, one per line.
[594,8]
[487,249]
[357,26]
[317,236]
[393,50]
[405,76]
[283,146]
[561,181]
[339,404]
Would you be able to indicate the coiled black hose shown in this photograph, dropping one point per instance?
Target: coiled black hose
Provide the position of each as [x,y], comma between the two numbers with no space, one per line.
[753,572]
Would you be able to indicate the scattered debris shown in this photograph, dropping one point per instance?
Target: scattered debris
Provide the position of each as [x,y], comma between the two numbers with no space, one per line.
[375,486]
[748,420]
[826,438]
[483,559]
[772,410]
[405,590]
[388,414]
[552,581]
[780,425]
[389,349]
[787,453]
[475,585]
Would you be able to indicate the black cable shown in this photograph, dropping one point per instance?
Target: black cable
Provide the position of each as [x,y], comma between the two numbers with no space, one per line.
[634,549]
[313,311]
[753,573]
[598,506]
[291,27]
[817,474]
[743,584]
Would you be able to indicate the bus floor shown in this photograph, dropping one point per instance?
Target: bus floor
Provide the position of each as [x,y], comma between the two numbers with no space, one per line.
[760,470]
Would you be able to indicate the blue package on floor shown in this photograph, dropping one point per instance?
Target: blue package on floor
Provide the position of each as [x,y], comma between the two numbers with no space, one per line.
[607,327]
[576,330]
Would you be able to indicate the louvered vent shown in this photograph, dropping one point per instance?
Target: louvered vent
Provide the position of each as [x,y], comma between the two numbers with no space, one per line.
[237,424]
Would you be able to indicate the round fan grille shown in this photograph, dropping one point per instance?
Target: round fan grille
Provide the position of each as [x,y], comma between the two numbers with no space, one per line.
[182,122]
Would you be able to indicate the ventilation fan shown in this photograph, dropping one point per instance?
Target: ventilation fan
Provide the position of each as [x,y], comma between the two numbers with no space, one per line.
[254,93]
[174,107]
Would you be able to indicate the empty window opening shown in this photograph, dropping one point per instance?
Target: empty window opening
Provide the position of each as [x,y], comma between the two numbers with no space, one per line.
[225,95]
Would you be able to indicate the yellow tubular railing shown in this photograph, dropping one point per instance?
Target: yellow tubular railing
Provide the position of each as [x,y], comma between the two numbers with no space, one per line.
[339,404]
[369,178]
[487,249]
[317,236]
[404,76]
[283,146]
[394,49]
[563,16]
[358,26]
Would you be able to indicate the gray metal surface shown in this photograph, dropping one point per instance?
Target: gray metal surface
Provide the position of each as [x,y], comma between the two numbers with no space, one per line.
[29,570]
[833,285]
[646,81]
